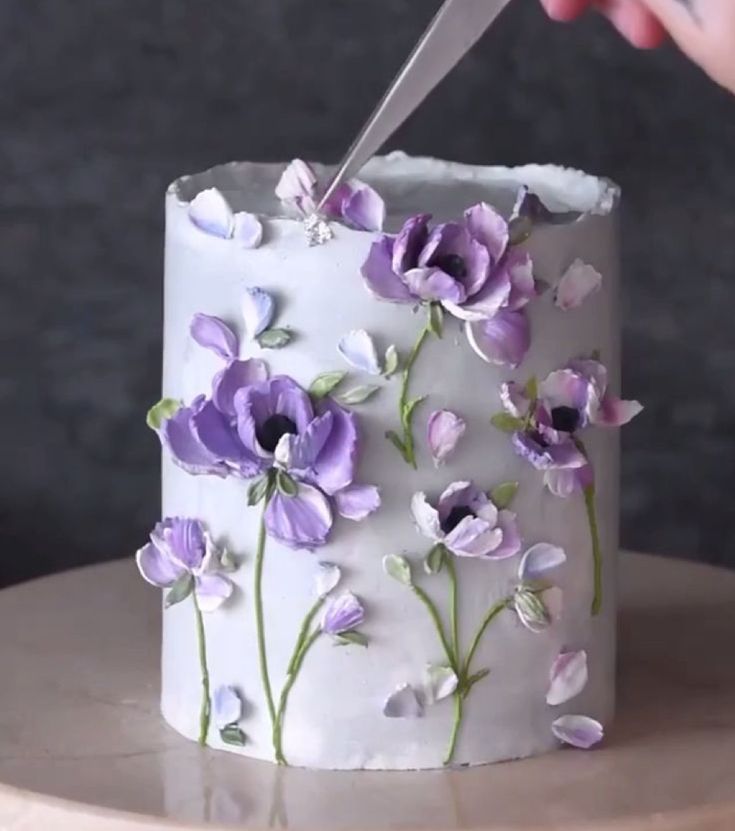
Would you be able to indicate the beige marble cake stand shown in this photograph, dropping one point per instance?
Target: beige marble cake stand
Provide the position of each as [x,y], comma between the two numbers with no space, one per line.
[82,747]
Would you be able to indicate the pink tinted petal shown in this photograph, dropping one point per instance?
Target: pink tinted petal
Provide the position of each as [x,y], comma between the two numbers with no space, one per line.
[567,678]
[381,280]
[514,399]
[364,208]
[301,521]
[539,560]
[562,482]
[489,228]
[519,266]
[511,541]
[578,731]
[565,388]
[614,412]
[297,186]
[433,284]
[236,376]
[444,430]
[357,502]
[214,334]
[503,340]
[426,517]
[156,568]
[248,230]
[578,282]
[212,590]
[258,310]
[211,213]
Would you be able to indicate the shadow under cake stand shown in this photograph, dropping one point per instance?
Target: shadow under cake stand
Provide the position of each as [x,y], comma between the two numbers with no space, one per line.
[83,747]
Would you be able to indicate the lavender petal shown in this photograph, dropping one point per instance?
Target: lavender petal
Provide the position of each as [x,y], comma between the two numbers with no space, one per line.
[214,334]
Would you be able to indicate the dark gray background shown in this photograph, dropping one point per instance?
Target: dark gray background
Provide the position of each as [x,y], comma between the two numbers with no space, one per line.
[103,103]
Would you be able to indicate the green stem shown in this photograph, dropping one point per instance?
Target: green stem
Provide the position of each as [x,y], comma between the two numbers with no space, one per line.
[589,501]
[206,708]
[285,692]
[303,635]
[493,612]
[409,449]
[434,614]
[457,723]
[259,621]
[454,608]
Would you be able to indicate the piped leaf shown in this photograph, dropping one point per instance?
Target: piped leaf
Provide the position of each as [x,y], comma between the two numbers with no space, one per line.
[476,678]
[358,395]
[436,320]
[285,484]
[390,364]
[531,388]
[233,735]
[506,422]
[411,405]
[162,411]
[398,567]
[260,489]
[325,383]
[434,561]
[503,495]
[275,338]
[351,638]
[180,590]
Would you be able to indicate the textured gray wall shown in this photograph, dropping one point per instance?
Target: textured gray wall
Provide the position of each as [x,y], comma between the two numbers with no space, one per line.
[102,103]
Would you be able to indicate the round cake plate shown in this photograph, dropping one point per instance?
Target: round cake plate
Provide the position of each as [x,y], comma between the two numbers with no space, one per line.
[83,747]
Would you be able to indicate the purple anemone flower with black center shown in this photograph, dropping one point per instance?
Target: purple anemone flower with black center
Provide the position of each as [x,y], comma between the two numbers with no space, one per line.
[252,424]
[470,268]
[467,523]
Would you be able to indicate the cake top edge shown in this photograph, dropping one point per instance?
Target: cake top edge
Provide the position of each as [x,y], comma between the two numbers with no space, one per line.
[412,185]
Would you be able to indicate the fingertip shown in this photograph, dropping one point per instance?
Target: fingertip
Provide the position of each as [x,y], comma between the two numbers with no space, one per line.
[565,11]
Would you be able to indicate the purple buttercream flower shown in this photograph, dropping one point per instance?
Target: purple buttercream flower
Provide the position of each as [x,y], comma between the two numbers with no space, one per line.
[180,547]
[342,614]
[467,523]
[355,203]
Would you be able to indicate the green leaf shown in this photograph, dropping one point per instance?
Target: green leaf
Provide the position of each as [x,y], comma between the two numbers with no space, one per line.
[232,734]
[275,338]
[396,441]
[531,388]
[261,489]
[286,484]
[180,590]
[391,361]
[398,567]
[408,410]
[323,384]
[434,561]
[436,320]
[596,354]
[506,422]
[474,678]
[347,638]
[158,413]
[520,229]
[358,395]
[503,495]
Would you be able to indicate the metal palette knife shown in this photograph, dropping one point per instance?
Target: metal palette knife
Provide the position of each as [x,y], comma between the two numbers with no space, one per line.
[455,29]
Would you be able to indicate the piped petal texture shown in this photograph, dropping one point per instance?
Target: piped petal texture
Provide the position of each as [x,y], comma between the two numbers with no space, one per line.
[403,703]
[301,521]
[503,340]
[567,678]
[214,334]
[539,561]
[578,282]
[211,213]
[578,731]
[258,310]
[357,502]
[358,349]
[444,430]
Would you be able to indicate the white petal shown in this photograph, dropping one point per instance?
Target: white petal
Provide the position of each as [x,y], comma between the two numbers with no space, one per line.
[577,284]
[212,590]
[358,349]
[568,677]
[444,430]
[248,230]
[403,703]
[578,731]
[210,212]
[426,517]
[539,560]
[327,578]
[258,309]
[441,682]
[227,706]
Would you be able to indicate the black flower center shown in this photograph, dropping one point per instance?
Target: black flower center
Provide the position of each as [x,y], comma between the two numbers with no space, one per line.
[273,428]
[455,516]
[452,264]
[565,419]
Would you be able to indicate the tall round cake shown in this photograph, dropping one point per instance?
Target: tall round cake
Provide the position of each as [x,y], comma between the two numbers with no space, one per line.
[390,468]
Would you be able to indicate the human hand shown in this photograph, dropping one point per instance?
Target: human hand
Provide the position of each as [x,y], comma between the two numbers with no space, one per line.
[704,29]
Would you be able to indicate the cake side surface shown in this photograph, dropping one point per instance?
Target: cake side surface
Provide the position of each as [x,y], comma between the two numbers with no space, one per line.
[336,710]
